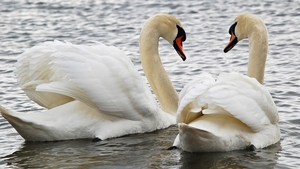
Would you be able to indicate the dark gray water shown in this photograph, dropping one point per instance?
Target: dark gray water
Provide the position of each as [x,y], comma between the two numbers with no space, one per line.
[25,23]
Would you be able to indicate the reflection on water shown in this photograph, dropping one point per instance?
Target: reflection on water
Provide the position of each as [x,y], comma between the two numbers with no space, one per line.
[265,158]
[137,150]
[143,151]
[25,23]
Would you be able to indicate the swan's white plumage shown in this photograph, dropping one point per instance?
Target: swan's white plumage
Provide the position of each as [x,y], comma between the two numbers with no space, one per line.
[95,91]
[230,92]
[109,80]
[91,91]
[234,112]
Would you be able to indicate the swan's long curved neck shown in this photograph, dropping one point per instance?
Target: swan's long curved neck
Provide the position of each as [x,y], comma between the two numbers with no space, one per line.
[154,70]
[258,49]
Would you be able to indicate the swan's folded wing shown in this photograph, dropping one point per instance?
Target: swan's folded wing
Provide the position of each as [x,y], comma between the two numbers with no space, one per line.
[244,98]
[108,78]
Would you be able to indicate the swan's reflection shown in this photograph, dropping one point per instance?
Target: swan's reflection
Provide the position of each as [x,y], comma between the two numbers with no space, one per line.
[133,151]
[263,158]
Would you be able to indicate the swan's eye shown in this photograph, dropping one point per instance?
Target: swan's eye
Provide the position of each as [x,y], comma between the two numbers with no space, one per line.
[181,32]
[232,28]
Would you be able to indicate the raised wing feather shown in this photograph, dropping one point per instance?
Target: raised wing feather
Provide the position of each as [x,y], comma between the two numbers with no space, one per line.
[99,75]
[34,67]
[190,98]
[109,79]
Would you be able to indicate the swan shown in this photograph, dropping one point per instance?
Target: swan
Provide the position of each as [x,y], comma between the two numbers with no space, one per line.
[95,91]
[234,112]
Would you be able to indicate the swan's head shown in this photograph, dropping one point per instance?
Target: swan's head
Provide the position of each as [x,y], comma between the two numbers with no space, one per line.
[177,42]
[244,26]
[169,28]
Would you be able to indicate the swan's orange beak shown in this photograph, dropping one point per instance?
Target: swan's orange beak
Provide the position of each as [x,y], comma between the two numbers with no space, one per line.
[177,44]
[232,42]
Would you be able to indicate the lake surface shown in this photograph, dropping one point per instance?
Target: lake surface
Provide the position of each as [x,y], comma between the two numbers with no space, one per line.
[25,23]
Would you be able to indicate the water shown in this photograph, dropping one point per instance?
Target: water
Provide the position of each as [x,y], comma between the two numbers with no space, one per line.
[24,24]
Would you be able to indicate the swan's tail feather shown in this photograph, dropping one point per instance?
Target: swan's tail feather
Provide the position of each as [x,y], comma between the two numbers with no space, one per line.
[22,126]
[8,115]
[190,139]
[55,124]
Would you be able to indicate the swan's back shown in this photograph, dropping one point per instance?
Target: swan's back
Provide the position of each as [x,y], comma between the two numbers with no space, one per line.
[234,111]
[230,92]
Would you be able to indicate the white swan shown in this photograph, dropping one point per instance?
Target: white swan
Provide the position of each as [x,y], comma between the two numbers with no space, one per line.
[95,91]
[235,111]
